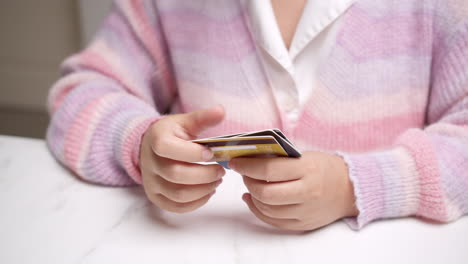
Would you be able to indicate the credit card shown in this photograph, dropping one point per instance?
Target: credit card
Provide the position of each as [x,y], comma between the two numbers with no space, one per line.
[270,142]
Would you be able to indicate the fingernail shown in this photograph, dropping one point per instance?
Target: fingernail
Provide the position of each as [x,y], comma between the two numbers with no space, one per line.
[221,173]
[207,154]
[232,165]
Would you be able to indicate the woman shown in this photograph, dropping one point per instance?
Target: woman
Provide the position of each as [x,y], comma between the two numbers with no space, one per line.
[375,93]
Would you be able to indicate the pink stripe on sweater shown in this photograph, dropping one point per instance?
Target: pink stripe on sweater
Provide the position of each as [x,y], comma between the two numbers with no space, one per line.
[228,126]
[94,59]
[61,89]
[82,128]
[132,144]
[408,98]
[65,85]
[146,33]
[102,60]
[356,136]
[432,200]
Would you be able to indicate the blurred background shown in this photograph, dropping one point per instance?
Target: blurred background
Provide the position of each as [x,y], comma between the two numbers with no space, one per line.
[36,36]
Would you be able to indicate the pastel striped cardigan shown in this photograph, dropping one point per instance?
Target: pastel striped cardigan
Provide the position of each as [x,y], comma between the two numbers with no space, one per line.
[392,99]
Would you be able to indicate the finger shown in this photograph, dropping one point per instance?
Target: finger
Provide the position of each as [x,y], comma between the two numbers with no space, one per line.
[197,121]
[178,146]
[184,193]
[268,169]
[278,193]
[187,173]
[164,203]
[280,223]
[277,211]
[175,148]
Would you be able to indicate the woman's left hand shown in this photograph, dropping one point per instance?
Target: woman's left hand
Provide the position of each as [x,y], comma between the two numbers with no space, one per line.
[297,193]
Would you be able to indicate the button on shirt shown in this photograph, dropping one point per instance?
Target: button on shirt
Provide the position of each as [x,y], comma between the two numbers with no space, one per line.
[292,73]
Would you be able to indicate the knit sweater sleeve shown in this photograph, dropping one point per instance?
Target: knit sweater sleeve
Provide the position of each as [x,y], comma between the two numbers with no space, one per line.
[109,94]
[425,173]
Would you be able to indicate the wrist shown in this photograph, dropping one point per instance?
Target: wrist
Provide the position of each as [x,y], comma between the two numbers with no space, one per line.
[347,197]
[135,147]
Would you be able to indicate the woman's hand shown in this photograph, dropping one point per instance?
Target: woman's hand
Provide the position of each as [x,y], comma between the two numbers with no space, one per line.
[297,194]
[170,179]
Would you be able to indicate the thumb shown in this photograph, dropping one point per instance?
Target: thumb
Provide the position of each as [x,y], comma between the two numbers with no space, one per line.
[197,121]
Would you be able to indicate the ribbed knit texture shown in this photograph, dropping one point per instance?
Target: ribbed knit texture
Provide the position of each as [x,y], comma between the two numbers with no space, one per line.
[392,99]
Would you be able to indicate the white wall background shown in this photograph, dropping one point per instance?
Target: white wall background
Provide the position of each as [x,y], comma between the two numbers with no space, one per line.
[36,36]
[92,13]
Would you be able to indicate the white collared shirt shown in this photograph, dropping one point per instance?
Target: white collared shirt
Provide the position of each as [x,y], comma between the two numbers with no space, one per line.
[293,73]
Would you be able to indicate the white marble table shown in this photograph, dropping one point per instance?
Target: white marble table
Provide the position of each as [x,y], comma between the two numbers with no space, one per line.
[48,216]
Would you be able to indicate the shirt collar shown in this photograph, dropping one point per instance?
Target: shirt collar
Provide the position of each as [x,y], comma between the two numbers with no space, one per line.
[316,17]
[265,30]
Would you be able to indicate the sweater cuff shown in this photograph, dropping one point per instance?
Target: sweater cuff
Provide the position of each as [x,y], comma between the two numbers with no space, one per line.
[132,144]
[385,185]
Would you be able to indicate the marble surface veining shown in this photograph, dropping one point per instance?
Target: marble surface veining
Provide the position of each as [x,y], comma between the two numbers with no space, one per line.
[49,216]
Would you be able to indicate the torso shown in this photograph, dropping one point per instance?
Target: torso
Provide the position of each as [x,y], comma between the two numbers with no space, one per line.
[372,85]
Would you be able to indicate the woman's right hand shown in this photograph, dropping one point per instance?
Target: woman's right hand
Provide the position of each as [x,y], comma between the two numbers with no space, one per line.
[170,178]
